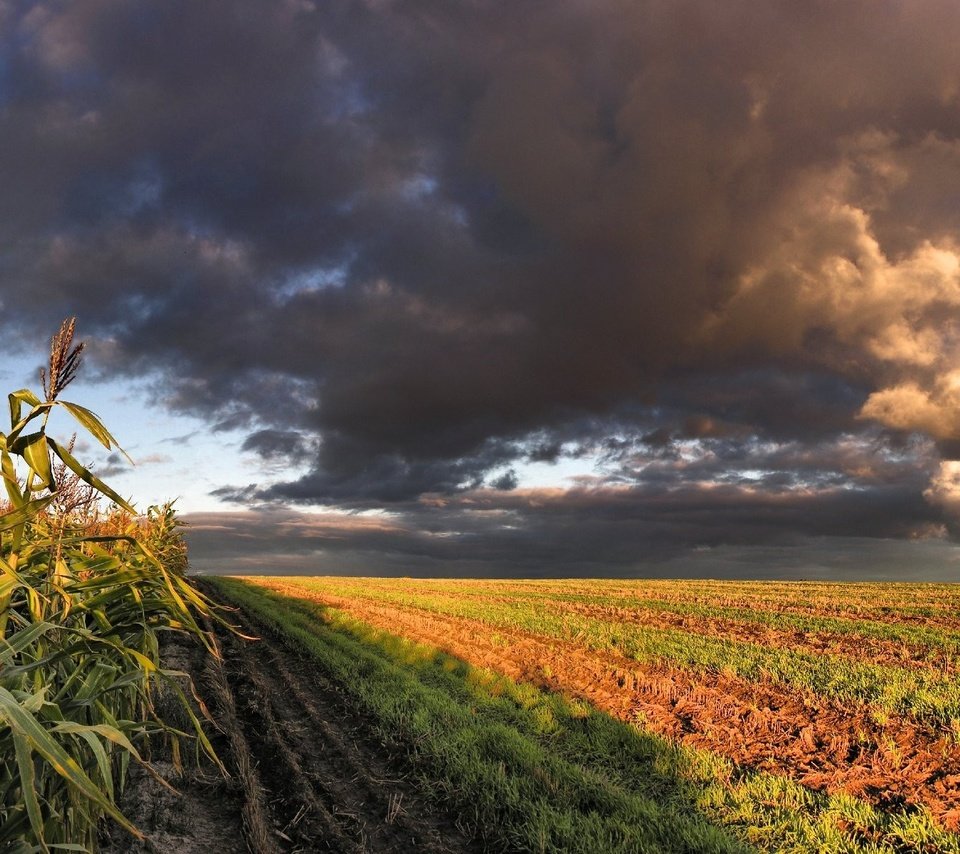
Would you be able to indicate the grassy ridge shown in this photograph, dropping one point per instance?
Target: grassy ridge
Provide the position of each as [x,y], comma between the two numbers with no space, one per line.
[925,695]
[542,773]
[868,601]
[868,597]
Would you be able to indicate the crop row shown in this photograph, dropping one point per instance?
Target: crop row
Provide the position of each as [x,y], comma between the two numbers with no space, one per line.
[915,645]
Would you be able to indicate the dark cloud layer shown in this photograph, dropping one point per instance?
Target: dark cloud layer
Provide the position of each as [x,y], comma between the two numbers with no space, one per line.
[414,245]
[623,535]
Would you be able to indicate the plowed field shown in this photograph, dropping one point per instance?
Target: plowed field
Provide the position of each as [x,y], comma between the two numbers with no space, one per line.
[778,717]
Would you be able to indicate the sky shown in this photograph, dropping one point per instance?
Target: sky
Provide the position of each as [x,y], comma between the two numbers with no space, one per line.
[489,288]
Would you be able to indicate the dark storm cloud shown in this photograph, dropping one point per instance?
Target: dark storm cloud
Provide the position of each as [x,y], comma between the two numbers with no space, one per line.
[278,445]
[625,531]
[651,511]
[417,243]
[354,477]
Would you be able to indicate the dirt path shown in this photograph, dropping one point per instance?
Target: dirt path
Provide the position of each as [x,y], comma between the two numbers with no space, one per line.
[206,815]
[308,773]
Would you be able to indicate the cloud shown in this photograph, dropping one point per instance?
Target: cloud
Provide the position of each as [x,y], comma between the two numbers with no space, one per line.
[944,490]
[410,247]
[907,406]
[154,460]
[651,508]
[587,532]
[287,445]
[506,481]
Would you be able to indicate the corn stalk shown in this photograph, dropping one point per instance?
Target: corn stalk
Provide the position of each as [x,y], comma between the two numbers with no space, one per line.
[80,618]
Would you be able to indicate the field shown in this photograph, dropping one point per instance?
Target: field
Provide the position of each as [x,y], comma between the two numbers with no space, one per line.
[618,715]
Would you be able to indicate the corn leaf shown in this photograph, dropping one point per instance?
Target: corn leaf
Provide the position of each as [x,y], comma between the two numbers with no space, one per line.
[94,426]
[19,641]
[110,733]
[33,449]
[96,748]
[10,480]
[17,399]
[27,726]
[28,786]
[37,410]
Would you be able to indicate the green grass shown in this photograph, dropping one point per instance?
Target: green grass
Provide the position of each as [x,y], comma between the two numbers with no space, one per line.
[538,772]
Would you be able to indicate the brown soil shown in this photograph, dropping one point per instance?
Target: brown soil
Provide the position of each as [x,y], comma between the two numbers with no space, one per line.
[307,772]
[760,725]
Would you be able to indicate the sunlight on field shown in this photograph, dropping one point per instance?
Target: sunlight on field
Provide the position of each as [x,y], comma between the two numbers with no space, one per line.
[791,716]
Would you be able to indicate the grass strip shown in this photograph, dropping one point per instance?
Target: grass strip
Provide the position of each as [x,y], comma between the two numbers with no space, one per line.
[866,600]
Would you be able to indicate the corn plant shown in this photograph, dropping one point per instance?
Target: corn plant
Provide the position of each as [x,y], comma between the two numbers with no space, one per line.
[162,533]
[80,616]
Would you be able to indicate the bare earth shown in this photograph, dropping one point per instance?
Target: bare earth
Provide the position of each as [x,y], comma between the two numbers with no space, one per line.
[307,772]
